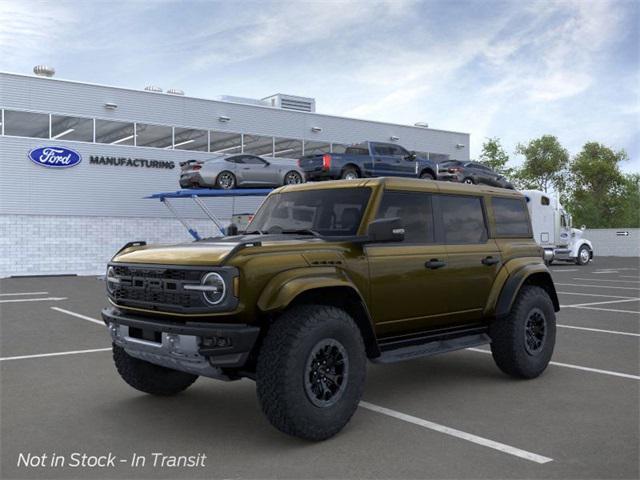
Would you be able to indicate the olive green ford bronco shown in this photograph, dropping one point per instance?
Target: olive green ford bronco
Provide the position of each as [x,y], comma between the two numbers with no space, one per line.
[326,277]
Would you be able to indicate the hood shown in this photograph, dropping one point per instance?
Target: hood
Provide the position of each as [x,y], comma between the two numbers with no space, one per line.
[576,233]
[196,253]
[212,251]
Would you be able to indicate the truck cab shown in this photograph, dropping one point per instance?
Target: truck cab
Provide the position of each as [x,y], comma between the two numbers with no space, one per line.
[553,230]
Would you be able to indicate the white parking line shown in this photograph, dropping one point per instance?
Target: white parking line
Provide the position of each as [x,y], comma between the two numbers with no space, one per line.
[23,293]
[591,294]
[611,310]
[605,272]
[606,280]
[597,286]
[577,367]
[485,442]
[48,299]
[628,276]
[74,314]
[592,303]
[567,270]
[56,354]
[599,330]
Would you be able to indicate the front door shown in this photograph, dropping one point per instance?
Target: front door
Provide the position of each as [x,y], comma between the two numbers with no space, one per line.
[473,258]
[407,291]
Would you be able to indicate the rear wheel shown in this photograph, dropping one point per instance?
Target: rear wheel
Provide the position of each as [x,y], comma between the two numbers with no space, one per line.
[226,180]
[427,176]
[584,255]
[292,178]
[522,343]
[349,173]
[311,371]
[150,378]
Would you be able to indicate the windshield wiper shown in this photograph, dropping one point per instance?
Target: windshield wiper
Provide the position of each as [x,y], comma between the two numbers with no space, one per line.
[303,231]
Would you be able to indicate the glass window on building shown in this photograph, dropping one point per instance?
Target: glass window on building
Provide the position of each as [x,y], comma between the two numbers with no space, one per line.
[191,139]
[287,148]
[338,147]
[314,148]
[258,145]
[114,133]
[225,142]
[26,124]
[71,128]
[157,136]
[438,157]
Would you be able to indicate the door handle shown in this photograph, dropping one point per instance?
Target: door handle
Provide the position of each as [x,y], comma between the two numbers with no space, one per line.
[490,260]
[434,264]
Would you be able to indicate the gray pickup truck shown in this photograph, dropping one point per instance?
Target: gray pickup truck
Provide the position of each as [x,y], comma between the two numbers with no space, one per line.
[368,159]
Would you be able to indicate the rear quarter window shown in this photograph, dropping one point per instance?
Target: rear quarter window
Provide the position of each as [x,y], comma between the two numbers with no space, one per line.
[463,219]
[511,217]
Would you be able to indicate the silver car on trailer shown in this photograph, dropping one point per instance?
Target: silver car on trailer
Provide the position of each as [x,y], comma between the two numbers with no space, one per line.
[240,170]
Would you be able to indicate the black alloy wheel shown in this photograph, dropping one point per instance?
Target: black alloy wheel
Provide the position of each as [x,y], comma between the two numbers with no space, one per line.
[326,373]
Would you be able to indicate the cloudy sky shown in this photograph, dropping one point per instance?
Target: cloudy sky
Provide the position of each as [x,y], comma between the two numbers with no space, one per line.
[514,69]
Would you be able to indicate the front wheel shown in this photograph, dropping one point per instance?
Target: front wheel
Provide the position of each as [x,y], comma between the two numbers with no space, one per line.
[150,378]
[311,371]
[468,181]
[522,342]
[427,176]
[226,180]
[584,255]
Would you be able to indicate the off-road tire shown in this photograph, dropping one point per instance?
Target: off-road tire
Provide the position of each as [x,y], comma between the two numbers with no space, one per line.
[349,172]
[282,366]
[579,260]
[427,176]
[150,378]
[508,334]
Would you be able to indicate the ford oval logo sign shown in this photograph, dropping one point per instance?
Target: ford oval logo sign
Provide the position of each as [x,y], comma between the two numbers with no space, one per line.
[55,157]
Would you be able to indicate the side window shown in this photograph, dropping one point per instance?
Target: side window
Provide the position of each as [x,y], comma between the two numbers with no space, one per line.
[250,159]
[382,150]
[415,212]
[511,217]
[234,160]
[463,219]
[397,151]
[544,200]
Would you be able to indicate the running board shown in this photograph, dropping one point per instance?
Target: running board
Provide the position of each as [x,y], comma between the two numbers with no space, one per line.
[431,345]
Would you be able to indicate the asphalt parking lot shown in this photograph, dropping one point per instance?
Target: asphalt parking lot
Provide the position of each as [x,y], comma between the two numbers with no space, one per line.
[450,416]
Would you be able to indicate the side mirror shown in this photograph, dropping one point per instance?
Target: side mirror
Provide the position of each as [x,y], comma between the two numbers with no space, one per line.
[412,156]
[385,230]
[583,227]
[231,230]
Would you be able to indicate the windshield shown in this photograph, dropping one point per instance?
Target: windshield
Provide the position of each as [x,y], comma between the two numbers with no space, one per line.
[327,212]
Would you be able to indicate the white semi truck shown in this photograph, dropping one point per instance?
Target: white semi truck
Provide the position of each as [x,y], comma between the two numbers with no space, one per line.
[553,230]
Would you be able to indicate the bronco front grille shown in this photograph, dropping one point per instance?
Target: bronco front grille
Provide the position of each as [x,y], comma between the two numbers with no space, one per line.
[161,288]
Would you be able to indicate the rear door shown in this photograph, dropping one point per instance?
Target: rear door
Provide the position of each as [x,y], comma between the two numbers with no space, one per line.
[407,291]
[473,258]
[383,160]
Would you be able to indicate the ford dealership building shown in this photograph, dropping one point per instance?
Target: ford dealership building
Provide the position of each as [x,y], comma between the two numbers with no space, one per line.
[77,160]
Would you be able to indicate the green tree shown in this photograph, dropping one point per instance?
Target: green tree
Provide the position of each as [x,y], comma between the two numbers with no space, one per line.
[600,195]
[495,157]
[545,164]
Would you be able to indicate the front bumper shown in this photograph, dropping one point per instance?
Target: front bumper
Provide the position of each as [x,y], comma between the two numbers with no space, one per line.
[199,348]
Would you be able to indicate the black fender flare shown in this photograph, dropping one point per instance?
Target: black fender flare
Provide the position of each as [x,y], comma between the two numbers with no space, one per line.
[530,275]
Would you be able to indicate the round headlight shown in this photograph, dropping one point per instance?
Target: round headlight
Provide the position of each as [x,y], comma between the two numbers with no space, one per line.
[214,288]
[112,280]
